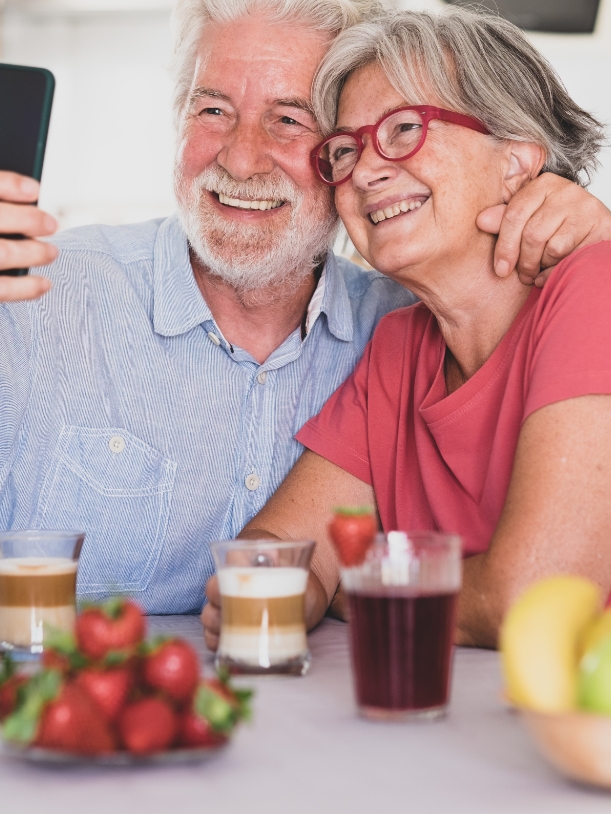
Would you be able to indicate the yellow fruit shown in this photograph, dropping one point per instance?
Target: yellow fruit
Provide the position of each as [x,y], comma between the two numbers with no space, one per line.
[540,641]
[594,634]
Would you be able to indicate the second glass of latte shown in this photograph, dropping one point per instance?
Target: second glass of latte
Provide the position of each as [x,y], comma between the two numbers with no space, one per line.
[262,585]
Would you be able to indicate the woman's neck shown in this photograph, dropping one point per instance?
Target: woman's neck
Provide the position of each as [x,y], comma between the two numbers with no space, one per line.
[474,309]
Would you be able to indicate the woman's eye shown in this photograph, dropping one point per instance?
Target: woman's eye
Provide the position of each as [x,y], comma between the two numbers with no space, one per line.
[288,120]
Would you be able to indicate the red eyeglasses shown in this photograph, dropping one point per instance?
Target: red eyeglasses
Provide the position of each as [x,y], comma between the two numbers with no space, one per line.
[397,136]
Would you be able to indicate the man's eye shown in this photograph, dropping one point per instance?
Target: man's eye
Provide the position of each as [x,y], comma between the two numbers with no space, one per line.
[288,120]
[212,111]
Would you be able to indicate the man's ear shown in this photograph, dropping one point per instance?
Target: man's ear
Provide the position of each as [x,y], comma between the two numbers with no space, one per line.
[525,162]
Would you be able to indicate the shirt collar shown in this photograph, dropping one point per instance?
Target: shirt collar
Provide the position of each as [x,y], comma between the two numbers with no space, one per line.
[178,305]
[336,301]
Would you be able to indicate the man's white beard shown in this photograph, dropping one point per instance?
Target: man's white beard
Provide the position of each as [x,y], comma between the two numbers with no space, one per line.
[250,257]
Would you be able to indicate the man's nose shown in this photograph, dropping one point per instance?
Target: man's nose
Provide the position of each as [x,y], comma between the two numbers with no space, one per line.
[246,152]
[371,168]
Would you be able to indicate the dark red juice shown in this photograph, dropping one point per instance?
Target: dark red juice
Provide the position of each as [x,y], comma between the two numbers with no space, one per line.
[402,648]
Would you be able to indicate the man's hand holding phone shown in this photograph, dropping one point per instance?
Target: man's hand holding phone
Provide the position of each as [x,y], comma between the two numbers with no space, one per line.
[19,215]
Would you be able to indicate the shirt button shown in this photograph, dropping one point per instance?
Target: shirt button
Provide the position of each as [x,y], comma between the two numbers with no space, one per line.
[252,482]
[214,338]
[116,444]
[262,377]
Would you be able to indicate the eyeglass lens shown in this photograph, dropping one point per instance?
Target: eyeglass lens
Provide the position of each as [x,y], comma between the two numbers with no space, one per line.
[398,136]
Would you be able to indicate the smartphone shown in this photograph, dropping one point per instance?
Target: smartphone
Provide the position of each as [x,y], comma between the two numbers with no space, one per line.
[26,96]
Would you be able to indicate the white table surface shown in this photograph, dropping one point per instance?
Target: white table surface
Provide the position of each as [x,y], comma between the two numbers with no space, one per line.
[307,751]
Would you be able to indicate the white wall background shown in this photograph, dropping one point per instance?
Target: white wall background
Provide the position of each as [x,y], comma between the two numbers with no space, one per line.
[109,155]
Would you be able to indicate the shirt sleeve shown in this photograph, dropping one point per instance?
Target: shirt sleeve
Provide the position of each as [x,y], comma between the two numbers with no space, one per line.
[339,432]
[571,349]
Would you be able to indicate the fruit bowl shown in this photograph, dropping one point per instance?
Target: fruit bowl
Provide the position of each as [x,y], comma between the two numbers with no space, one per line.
[578,744]
[169,757]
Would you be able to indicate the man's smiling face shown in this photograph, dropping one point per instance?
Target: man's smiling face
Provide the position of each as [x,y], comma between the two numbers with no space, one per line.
[253,209]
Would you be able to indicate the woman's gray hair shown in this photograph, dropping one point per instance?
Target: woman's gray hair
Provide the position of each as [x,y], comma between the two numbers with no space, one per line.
[473,62]
[191,16]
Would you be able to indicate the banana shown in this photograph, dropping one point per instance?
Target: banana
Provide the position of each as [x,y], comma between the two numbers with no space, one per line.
[540,641]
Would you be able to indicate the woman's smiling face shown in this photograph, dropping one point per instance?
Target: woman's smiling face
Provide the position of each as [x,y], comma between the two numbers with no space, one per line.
[454,176]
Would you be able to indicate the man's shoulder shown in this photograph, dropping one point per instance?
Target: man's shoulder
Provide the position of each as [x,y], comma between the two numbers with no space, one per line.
[368,285]
[125,244]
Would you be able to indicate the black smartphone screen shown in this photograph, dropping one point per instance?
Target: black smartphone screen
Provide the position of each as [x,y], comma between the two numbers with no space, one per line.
[26,95]
[25,102]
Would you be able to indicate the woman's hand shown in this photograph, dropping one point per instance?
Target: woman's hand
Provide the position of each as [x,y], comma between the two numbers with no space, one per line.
[543,223]
[17,216]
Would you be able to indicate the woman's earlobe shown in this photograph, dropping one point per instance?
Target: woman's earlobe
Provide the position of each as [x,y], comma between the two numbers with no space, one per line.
[526,160]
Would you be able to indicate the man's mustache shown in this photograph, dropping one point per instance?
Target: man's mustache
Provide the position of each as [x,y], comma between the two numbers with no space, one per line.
[280,188]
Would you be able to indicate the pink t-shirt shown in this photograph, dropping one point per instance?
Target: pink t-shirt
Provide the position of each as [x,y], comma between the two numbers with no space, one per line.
[439,461]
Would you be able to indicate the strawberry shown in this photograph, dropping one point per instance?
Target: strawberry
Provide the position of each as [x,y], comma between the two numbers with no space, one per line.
[220,704]
[116,626]
[9,694]
[74,723]
[108,687]
[195,731]
[9,685]
[352,532]
[148,725]
[173,668]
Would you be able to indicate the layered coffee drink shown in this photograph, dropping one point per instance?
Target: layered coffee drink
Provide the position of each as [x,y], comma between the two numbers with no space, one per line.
[34,592]
[263,617]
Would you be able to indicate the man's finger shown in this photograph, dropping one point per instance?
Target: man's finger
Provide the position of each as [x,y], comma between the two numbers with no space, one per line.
[541,278]
[212,641]
[25,220]
[18,188]
[489,220]
[17,254]
[540,229]
[517,214]
[23,288]
[212,591]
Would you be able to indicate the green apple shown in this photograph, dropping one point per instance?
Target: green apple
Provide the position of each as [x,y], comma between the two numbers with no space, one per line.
[594,689]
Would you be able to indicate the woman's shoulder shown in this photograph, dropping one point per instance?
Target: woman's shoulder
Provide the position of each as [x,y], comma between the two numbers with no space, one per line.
[403,323]
[587,269]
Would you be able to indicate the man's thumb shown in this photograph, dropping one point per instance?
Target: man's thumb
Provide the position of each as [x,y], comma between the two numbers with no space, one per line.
[489,220]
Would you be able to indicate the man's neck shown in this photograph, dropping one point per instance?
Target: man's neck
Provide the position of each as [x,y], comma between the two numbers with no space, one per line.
[255,321]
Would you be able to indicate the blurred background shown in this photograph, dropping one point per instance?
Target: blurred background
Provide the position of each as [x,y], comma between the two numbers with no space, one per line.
[110,148]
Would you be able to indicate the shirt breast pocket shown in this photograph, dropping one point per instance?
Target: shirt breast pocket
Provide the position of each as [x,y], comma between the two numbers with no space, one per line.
[118,490]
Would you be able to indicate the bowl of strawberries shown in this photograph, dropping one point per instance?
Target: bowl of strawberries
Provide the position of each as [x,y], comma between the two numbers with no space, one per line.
[106,695]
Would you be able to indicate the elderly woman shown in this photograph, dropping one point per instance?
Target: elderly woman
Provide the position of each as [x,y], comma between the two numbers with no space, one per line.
[485,408]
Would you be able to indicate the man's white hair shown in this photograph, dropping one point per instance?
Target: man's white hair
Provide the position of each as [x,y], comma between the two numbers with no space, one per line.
[191,16]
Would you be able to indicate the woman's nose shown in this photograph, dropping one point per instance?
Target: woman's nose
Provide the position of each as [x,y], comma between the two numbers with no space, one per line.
[245,151]
[371,169]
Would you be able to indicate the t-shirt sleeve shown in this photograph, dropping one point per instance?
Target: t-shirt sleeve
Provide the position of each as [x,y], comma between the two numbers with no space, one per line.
[339,432]
[571,350]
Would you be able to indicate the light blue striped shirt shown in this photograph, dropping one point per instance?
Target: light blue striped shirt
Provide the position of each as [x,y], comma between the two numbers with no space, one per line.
[127,415]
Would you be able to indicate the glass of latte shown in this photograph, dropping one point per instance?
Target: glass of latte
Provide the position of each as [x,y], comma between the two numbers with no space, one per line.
[37,587]
[262,585]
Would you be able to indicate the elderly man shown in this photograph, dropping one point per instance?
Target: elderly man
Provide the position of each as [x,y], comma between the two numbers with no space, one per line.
[152,397]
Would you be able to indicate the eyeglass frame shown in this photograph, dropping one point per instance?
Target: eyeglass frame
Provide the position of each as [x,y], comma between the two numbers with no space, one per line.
[428,113]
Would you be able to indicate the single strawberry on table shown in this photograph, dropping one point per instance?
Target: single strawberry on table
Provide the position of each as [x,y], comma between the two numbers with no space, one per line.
[172,666]
[352,532]
[116,626]
[147,726]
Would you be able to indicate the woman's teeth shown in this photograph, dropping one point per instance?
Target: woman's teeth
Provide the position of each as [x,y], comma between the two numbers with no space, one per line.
[248,204]
[395,209]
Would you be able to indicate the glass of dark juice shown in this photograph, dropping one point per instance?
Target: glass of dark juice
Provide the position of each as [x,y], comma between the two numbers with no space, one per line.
[402,605]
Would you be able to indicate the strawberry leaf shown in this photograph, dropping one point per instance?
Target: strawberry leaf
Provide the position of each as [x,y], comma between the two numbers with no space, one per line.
[216,710]
[7,667]
[22,724]
[353,511]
